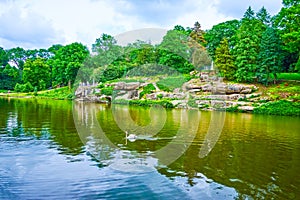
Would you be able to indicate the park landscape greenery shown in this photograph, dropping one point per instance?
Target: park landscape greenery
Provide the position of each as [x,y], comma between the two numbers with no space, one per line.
[258,48]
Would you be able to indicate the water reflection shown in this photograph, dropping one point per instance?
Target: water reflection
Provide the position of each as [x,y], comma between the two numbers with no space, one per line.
[256,156]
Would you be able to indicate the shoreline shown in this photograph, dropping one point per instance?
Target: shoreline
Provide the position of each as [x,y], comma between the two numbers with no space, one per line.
[167,104]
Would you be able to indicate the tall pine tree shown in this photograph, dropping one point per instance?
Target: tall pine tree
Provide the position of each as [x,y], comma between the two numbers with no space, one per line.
[224,60]
[247,49]
[270,55]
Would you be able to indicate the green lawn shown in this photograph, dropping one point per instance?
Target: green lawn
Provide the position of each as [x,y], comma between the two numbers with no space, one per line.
[289,76]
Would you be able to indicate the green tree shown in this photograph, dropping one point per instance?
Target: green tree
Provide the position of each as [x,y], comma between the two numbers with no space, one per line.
[66,63]
[288,21]
[249,14]
[9,76]
[37,73]
[220,31]
[175,52]
[264,16]
[247,49]
[18,56]
[106,49]
[224,61]
[3,57]
[199,56]
[270,55]
[197,35]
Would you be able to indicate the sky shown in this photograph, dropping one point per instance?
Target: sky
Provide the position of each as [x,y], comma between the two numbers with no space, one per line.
[41,23]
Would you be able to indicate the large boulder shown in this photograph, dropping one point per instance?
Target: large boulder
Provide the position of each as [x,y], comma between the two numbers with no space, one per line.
[119,86]
[132,86]
[246,108]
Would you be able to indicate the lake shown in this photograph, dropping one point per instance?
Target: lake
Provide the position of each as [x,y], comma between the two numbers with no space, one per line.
[52,149]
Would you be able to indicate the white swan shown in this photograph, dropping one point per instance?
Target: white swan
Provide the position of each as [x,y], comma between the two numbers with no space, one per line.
[131,137]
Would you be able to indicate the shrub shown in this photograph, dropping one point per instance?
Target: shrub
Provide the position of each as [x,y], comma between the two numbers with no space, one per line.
[147,89]
[145,103]
[170,83]
[160,96]
[107,91]
[27,87]
[281,107]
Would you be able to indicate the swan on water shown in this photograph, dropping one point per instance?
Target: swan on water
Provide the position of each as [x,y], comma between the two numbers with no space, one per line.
[130,136]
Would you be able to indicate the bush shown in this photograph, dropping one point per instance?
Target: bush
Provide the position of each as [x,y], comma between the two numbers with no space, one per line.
[289,76]
[151,70]
[170,83]
[107,90]
[148,89]
[145,103]
[27,87]
[59,93]
[281,107]
[232,109]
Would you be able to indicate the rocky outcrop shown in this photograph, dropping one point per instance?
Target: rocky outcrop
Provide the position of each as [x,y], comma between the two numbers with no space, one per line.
[206,93]
[126,86]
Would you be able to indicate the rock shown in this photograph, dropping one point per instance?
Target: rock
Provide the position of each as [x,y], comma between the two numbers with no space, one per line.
[204,77]
[126,86]
[246,91]
[192,86]
[216,97]
[233,89]
[151,96]
[179,103]
[119,86]
[202,102]
[242,103]
[132,86]
[253,95]
[216,104]
[176,90]
[233,97]
[195,90]
[246,108]
[206,88]
[79,92]
[133,94]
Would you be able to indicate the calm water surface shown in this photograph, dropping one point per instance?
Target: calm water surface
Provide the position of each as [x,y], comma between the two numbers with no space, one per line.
[43,156]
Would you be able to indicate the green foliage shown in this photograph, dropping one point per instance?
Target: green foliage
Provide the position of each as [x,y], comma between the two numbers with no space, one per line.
[35,91]
[59,93]
[264,16]
[9,76]
[107,90]
[106,49]
[37,72]
[170,83]
[146,103]
[111,72]
[160,96]
[286,89]
[281,107]
[247,49]
[148,70]
[148,89]
[289,76]
[101,85]
[175,52]
[66,63]
[288,22]
[192,103]
[270,59]
[220,31]
[224,60]
[233,109]
[27,87]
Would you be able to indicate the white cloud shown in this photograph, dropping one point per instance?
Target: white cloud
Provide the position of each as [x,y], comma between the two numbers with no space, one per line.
[26,28]
[32,23]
